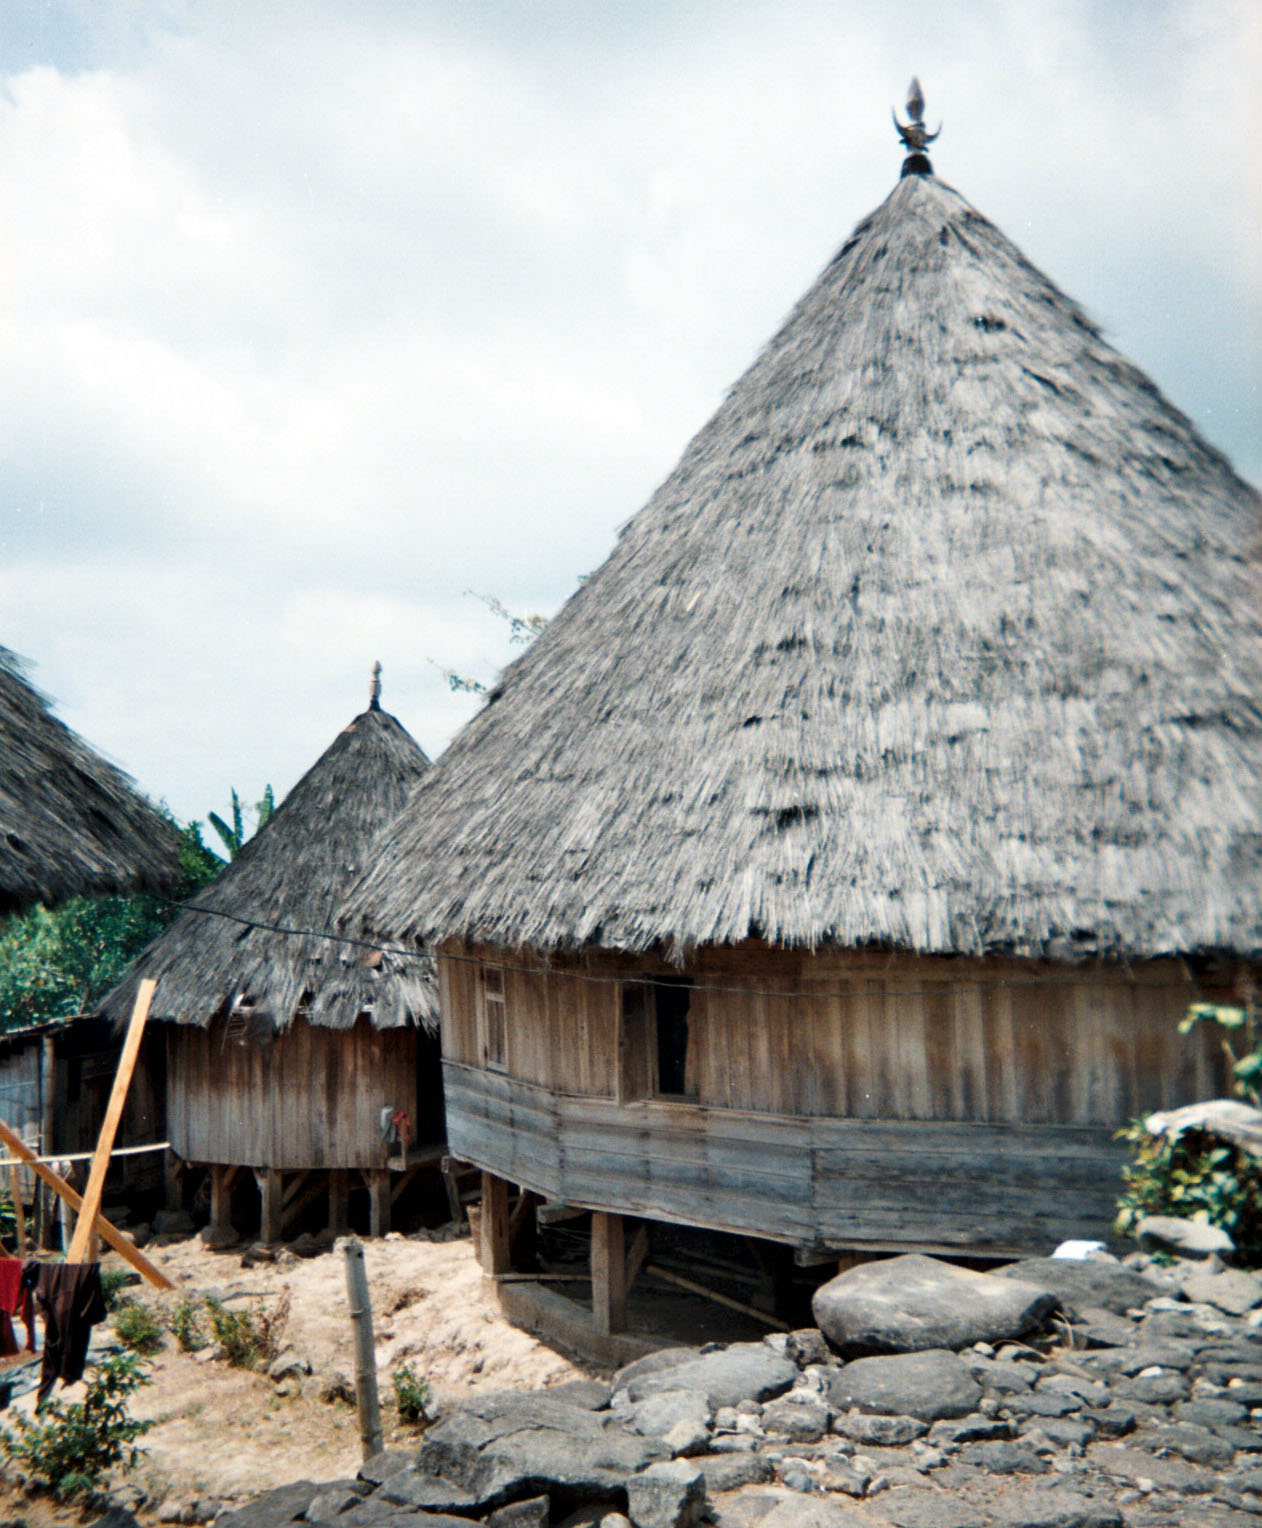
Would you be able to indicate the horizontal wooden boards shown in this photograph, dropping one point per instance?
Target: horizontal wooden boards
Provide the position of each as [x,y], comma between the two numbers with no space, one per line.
[800,1179]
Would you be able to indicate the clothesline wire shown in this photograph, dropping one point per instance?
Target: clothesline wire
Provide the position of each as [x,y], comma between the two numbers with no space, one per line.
[638,977]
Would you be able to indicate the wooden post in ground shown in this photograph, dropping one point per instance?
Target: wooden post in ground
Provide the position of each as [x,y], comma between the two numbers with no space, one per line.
[47,1137]
[19,1213]
[80,1245]
[339,1202]
[111,1233]
[496,1256]
[609,1274]
[367,1404]
[272,1203]
[172,1180]
[221,1199]
[378,1179]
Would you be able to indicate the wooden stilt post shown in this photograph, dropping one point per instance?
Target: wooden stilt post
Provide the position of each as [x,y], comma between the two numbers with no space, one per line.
[18,1211]
[366,1402]
[48,1201]
[220,1199]
[172,1180]
[271,1194]
[495,1256]
[378,1200]
[609,1274]
[339,1201]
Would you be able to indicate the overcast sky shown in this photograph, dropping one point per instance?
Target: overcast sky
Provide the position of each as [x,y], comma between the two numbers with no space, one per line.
[317,315]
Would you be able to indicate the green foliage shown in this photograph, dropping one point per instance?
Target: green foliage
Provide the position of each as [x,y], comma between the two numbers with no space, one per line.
[186,1326]
[1241,1039]
[411,1395]
[250,1340]
[137,1327]
[1197,1177]
[70,1449]
[54,964]
[113,1282]
[521,629]
[8,1224]
[234,837]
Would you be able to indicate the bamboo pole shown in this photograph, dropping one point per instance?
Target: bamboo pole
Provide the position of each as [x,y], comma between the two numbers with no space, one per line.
[19,1211]
[111,1233]
[113,1113]
[367,1404]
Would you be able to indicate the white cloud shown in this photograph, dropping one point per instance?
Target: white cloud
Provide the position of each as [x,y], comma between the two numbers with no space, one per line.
[320,314]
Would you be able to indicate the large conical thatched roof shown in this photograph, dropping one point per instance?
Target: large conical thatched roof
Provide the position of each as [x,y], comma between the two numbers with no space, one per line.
[70,823]
[944,634]
[295,874]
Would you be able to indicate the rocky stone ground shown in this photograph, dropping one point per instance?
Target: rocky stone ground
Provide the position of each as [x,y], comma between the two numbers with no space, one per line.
[1136,1403]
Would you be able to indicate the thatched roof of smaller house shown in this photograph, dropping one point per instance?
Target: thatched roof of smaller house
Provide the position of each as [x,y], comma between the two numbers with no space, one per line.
[294,874]
[944,635]
[70,823]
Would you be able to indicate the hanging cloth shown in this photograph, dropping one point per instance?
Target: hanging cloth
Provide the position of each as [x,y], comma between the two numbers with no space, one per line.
[70,1302]
[15,1300]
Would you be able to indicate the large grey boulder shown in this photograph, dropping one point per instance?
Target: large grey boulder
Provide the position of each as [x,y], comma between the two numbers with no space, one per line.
[1082,1283]
[927,1385]
[1182,1238]
[743,1371]
[1233,1290]
[906,1304]
[509,1445]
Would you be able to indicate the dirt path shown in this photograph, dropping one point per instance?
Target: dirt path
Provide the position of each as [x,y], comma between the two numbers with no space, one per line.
[223,1433]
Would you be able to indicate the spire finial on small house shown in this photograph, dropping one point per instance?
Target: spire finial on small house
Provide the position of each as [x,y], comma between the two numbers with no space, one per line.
[914,136]
[374,691]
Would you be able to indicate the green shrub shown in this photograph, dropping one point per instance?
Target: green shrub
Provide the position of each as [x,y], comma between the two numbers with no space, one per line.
[250,1340]
[70,1449]
[186,1326]
[411,1395]
[137,1326]
[1240,1035]
[1195,1176]
[113,1282]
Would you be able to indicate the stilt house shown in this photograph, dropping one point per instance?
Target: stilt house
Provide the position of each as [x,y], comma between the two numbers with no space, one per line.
[837,864]
[309,1064]
[70,824]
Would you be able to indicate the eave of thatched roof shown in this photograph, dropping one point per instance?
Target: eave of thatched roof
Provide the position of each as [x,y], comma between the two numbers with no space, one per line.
[70,823]
[295,874]
[944,634]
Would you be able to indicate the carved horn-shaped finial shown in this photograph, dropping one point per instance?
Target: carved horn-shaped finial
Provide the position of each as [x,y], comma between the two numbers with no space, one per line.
[374,690]
[913,134]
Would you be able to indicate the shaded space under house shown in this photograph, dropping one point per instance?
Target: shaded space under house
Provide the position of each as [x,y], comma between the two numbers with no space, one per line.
[303,1065]
[71,824]
[836,866]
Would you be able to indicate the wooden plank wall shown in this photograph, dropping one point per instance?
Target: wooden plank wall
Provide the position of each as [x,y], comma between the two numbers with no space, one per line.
[309,1098]
[868,1036]
[999,1187]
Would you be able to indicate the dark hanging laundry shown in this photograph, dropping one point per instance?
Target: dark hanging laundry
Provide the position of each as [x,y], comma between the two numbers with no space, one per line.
[71,1303]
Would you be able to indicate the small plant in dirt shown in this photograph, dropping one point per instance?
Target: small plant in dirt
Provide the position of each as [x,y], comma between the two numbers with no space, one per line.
[250,1339]
[186,1326]
[411,1395]
[113,1282]
[70,1449]
[1197,1177]
[137,1326]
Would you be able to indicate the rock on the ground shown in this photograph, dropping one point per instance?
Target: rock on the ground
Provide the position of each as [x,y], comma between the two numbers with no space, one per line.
[655,1415]
[907,1304]
[817,1512]
[927,1385]
[911,1508]
[729,1472]
[880,1431]
[535,1512]
[1081,1284]
[671,1495]
[1056,1508]
[741,1371]
[274,1509]
[1233,1290]
[1183,1238]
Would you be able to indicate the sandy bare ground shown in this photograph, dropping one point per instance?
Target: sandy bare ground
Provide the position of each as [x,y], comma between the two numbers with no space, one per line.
[222,1433]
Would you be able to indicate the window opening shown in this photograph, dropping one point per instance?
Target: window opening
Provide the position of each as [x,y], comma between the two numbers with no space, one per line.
[494,1018]
[672,997]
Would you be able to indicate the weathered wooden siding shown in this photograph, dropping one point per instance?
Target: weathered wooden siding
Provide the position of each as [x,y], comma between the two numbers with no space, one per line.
[843,1182]
[866,1037]
[308,1098]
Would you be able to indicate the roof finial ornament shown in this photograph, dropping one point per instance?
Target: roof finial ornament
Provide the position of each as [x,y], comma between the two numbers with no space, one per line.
[374,691]
[914,136]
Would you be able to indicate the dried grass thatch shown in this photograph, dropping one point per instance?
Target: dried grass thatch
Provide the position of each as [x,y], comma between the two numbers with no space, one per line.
[944,634]
[295,874]
[70,823]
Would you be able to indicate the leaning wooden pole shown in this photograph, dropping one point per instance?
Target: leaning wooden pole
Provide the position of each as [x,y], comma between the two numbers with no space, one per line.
[109,1232]
[367,1403]
[109,1125]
